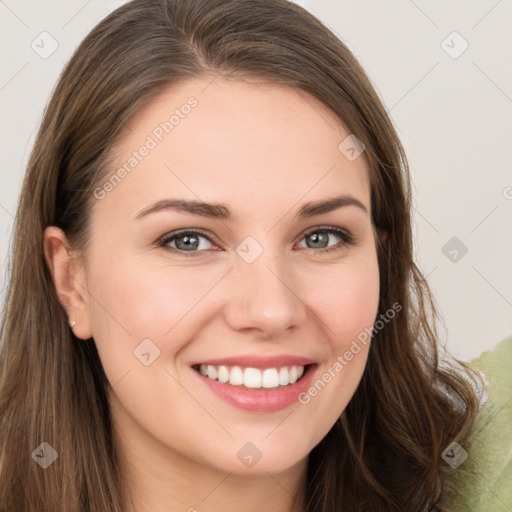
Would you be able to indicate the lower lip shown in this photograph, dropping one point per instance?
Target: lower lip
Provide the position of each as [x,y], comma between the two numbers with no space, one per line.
[260,400]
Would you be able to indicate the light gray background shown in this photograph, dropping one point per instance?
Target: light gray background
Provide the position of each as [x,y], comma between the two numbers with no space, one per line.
[452,114]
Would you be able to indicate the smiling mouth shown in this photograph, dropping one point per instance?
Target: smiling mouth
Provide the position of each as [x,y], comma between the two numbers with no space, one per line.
[254,378]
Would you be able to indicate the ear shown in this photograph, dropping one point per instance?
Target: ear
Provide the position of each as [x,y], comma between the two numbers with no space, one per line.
[69,279]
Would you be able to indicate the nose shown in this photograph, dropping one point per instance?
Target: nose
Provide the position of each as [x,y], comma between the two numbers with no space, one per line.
[264,298]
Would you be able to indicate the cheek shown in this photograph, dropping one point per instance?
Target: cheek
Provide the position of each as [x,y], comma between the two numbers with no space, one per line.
[150,300]
[145,300]
[345,297]
[136,301]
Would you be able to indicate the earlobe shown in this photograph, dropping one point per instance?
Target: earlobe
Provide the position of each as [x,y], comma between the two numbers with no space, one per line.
[68,279]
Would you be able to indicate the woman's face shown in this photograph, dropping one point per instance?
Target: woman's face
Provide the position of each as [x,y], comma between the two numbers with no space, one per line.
[268,283]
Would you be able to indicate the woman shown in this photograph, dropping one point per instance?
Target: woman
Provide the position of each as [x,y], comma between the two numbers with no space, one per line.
[213,300]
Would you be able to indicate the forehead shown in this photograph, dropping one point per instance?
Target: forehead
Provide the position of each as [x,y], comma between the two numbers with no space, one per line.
[236,142]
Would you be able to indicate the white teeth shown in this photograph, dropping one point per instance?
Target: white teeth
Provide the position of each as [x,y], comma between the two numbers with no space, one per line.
[236,377]
[270,378]
[253,378]
[212,372]
[283,376]
[223,374]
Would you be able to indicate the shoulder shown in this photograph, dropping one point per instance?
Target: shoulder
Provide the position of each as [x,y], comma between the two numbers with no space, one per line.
[482,481]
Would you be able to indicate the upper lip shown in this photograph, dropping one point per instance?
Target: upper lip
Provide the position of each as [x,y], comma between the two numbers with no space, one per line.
[258,361]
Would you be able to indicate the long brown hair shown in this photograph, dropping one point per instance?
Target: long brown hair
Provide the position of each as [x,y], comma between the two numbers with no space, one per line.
[384,452]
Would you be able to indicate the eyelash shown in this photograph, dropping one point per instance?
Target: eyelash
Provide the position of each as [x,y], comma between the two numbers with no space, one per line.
[346,237]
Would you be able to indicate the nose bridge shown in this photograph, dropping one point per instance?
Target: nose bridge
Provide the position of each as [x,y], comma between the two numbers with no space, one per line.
[265,296]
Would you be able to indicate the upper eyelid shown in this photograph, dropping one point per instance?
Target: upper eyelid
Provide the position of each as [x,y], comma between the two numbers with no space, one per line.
[172,234]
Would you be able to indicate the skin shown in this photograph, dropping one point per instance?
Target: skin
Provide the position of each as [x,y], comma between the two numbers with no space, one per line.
[263,150]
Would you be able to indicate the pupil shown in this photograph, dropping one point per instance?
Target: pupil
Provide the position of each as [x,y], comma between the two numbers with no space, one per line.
[318,237]
[189,242]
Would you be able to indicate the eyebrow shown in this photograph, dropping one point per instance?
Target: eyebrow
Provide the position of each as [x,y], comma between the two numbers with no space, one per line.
[222,212]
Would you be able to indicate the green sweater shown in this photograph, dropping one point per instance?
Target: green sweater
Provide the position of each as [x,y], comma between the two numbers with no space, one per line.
[483,481]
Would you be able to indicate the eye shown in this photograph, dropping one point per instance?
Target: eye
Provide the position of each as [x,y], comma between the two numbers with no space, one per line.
[191,241]
[195,241]
[319,238]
